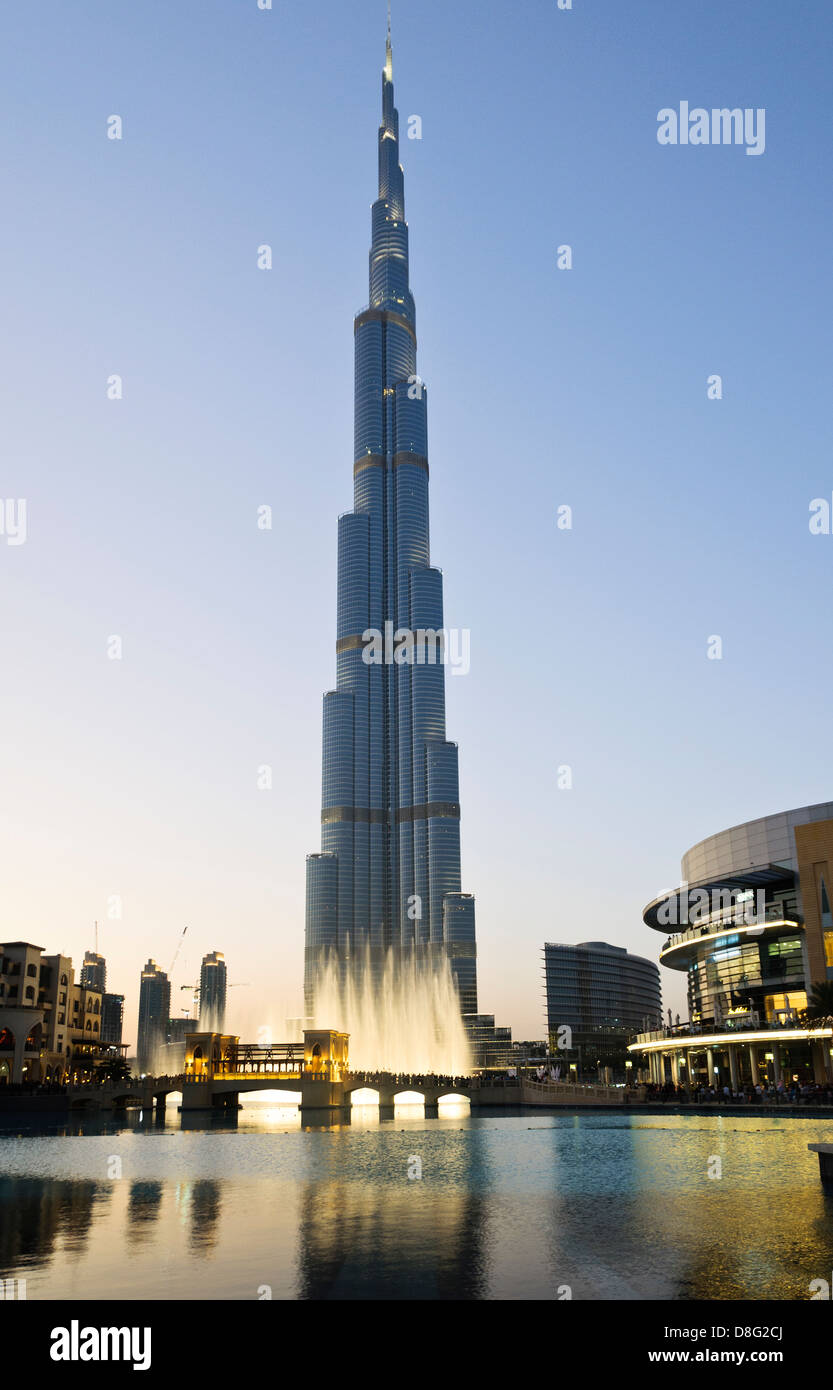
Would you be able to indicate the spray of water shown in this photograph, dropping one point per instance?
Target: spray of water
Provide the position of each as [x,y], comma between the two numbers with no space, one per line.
[404,1017]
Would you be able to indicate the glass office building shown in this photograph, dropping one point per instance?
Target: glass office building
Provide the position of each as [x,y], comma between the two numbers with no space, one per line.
[112,1018]
[154,1015]
[388,874]
[213,985]
[94,971]
[597,997]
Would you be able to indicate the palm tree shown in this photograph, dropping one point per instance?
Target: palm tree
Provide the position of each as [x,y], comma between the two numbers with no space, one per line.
[820,1003]
[115,1069]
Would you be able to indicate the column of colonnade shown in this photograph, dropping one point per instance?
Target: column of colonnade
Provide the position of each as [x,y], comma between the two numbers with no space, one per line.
[821,1058]
[741,1059]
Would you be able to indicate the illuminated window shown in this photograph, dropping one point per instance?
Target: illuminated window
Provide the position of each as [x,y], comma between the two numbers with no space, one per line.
[793,1002]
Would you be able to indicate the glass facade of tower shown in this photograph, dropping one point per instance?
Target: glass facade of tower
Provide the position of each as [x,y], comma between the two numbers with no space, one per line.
[94,971]
[112,1018]
[597,997]
[213,984]
[388,875]
[154,1014]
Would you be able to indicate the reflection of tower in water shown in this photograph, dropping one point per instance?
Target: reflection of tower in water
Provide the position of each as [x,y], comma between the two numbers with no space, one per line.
[37,1212]
[143,1207]
[375,1234]
[203,1198]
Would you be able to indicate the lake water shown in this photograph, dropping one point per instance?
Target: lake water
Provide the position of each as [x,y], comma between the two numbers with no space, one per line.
[522,1205]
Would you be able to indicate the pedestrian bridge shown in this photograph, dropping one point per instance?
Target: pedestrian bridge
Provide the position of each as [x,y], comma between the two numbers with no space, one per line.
[219,1069]
[222,1091]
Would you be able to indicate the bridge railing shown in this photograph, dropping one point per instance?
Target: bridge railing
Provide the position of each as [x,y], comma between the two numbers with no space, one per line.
[573,1090]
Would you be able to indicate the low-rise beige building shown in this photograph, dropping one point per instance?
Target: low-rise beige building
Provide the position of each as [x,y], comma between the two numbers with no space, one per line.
[50,1026]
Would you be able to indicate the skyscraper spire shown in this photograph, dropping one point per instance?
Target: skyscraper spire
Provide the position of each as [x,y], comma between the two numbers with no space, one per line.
[388,52]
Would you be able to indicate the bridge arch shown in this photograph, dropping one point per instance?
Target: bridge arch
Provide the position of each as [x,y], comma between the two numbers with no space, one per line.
[361,1094]
[125,1093]
[453,1098]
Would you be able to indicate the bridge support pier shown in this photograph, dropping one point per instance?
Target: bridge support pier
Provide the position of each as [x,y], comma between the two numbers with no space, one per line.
[197,1095]
[322,1095]
[202,1095]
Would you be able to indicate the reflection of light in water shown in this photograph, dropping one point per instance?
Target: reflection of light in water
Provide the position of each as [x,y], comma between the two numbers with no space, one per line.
[281,1112]
[365,1116]
[407,1019]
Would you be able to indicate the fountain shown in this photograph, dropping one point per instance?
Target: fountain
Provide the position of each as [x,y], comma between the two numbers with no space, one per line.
[403,1016]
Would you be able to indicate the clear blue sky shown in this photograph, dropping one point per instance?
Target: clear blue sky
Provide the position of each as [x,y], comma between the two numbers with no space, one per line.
[585,387]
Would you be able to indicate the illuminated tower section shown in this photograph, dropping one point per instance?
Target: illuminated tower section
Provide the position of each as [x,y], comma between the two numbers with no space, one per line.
[388,875]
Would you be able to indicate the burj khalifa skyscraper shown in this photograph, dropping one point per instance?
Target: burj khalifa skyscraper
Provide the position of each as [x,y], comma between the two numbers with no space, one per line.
[387,879]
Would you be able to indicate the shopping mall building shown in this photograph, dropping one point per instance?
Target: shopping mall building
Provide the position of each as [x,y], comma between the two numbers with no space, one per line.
[751,925]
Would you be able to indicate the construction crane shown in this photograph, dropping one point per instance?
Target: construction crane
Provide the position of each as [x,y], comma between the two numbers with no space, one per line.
[195,991]
[176,953]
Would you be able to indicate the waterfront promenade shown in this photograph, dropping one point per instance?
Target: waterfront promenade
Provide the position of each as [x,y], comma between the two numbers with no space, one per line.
[222,1091]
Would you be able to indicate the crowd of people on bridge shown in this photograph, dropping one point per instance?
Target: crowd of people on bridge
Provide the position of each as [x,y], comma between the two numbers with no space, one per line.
[372,1078]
